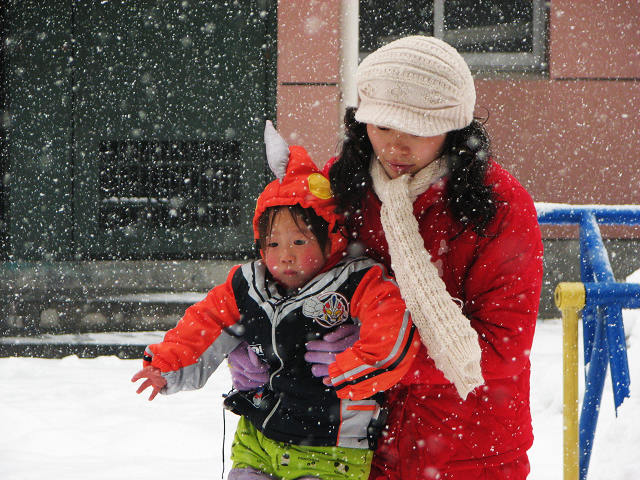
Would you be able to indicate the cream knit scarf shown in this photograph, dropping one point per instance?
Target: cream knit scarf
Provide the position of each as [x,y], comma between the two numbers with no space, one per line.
[445,331]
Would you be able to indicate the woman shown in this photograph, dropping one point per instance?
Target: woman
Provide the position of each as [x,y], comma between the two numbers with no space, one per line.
[424,197]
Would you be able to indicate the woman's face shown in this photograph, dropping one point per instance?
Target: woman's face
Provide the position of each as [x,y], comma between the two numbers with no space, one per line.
[402,153]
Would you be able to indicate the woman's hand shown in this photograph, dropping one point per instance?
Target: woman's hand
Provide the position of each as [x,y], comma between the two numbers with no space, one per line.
[248,372]
[322,353]
[154,379]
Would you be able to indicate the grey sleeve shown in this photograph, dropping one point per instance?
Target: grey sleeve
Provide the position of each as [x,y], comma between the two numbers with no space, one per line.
[196,375]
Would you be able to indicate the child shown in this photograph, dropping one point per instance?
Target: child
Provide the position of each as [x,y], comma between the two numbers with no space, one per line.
[304,286]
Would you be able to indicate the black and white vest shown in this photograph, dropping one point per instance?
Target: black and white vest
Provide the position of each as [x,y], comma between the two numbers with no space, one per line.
[294,406]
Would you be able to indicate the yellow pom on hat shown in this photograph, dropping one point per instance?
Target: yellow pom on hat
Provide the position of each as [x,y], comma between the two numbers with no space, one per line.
[319,185]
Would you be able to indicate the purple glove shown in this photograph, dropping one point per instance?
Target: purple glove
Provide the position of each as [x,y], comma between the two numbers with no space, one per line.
[321,353]
[248,372]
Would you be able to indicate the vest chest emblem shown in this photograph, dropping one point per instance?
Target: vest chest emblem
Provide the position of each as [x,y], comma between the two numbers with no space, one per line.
[327,309]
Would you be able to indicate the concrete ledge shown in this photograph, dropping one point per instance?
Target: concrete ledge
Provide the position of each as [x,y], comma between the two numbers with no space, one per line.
[30,278]
[120,344]
[67,297]
[133,296]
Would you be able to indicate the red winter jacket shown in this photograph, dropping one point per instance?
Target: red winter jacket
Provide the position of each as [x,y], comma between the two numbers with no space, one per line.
[498,277]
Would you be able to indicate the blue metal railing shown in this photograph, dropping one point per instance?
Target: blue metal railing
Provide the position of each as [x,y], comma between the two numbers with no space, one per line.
[604,299]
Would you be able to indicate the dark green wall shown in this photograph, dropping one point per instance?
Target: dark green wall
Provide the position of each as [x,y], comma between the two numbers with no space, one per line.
[38,87]
[172,86]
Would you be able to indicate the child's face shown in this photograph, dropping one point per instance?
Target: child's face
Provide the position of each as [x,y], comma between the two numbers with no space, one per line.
[292,256]
[401,153]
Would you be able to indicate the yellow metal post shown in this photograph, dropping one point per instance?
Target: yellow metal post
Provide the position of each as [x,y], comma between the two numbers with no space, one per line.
[570,299]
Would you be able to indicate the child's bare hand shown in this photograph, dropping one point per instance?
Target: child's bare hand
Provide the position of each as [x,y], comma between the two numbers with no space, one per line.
[154,379]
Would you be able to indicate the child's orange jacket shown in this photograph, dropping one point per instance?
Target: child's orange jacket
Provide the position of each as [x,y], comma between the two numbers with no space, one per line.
[295,406]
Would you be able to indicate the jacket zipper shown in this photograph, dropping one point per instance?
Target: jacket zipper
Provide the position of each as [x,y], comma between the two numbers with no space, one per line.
[279,304]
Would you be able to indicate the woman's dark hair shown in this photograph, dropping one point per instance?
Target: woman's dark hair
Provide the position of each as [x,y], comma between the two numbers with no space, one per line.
[470,200]
[306,220]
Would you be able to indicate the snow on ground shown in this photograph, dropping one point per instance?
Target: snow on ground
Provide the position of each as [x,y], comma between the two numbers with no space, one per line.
[80,419]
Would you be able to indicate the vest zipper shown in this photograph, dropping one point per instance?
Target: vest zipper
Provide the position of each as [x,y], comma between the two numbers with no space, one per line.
[279,304]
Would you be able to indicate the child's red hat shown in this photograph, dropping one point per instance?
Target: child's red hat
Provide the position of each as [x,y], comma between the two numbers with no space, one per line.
[300,182]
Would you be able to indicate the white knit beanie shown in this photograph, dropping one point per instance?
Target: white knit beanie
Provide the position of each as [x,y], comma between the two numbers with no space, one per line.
[418,85]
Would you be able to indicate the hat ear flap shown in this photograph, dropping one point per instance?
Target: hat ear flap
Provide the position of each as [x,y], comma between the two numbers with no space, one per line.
[277,151]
